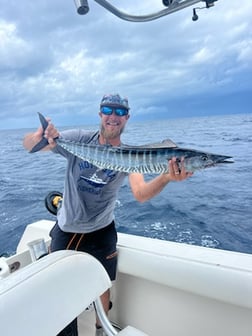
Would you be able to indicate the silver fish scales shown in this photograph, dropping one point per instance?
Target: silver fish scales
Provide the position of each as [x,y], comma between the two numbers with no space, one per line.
[141,159]
[146,159]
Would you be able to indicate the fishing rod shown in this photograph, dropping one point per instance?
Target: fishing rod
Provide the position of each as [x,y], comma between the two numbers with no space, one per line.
[171,6]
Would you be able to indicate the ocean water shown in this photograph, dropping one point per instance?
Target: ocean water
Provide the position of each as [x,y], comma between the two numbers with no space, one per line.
[213,208]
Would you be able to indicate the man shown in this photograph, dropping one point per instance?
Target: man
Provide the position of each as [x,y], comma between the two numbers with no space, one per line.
[85,221]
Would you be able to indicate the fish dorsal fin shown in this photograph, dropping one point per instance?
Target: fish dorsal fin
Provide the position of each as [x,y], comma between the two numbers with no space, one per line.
[167,143]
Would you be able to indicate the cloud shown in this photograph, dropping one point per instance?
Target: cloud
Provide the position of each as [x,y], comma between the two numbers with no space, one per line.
[13,49]
[55,61]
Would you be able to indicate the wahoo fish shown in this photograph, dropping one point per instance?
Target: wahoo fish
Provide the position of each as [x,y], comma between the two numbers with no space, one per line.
[145,159]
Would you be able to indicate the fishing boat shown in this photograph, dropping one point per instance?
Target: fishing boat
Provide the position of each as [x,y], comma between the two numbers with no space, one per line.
[162,288]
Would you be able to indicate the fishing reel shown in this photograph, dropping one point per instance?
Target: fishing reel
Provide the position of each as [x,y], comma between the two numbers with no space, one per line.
[53,202]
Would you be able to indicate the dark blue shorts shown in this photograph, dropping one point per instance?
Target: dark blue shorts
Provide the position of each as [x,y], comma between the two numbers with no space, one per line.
[101,244]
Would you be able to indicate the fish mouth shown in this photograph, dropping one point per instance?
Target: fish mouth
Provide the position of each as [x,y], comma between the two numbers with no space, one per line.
[215,160]
[219,160]
[225,159]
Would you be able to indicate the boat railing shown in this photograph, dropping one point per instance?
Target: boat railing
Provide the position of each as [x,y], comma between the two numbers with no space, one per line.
[171,6]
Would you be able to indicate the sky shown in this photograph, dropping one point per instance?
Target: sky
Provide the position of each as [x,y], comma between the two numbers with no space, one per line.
[59,63]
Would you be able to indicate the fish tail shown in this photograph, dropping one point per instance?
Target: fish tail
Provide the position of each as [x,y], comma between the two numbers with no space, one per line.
[43,142]
[43,121]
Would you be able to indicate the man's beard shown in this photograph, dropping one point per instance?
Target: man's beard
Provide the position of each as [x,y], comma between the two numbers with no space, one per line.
[111,134]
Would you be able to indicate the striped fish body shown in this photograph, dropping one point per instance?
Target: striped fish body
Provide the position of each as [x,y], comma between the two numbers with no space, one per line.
[148,159]
[141,159]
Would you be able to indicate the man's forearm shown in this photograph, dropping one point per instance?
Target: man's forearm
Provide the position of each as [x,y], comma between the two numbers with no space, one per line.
[143,191]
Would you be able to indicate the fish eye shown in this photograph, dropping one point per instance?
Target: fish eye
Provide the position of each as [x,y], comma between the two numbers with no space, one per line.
[204,157]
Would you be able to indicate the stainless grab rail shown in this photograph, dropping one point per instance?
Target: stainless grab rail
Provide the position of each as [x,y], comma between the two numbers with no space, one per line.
[171,7]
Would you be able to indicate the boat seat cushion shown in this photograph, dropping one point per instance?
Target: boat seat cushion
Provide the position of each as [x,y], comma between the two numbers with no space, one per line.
[130,331]
[36,291]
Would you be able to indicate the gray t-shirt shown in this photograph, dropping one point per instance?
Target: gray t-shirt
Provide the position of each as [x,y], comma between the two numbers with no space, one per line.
[89,193]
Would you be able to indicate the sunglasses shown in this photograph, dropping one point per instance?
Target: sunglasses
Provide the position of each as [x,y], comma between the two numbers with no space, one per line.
[119,111]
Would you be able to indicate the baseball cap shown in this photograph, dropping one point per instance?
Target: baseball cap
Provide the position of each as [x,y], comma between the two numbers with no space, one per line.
[114,100]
